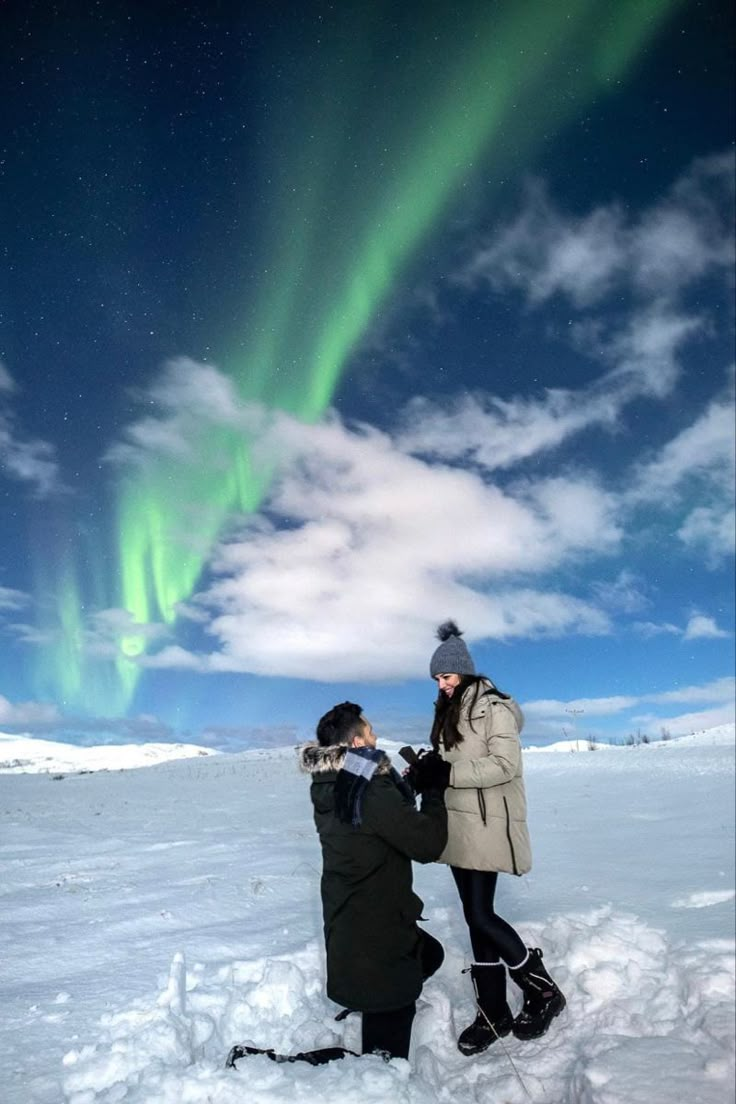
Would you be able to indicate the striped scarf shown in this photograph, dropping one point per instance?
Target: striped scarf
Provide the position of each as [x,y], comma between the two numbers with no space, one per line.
[359,766]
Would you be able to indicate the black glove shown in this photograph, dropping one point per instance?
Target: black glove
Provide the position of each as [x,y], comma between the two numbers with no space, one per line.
[430,772]
[410,755]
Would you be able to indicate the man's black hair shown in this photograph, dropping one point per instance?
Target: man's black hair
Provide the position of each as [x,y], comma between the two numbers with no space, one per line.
[340,724]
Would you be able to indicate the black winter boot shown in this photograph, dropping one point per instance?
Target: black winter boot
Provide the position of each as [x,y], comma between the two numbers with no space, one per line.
[542,998]
[494,1017]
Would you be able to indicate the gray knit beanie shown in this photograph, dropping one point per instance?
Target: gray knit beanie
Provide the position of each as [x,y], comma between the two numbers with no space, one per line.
[452,657]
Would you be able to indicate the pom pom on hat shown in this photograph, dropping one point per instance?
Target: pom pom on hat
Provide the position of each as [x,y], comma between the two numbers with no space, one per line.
[452,657]
[446,630]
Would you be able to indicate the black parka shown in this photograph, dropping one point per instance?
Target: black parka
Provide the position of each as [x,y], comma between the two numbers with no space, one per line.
[370,910]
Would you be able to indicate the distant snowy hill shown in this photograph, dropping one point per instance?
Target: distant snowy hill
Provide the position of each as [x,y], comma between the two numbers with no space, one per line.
[26,755]
[709,737]
[720,735]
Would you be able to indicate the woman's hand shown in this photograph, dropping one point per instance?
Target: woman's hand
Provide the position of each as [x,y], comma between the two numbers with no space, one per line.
[430,772]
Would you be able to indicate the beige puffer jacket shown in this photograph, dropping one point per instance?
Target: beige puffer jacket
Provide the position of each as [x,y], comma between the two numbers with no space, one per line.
[486,801]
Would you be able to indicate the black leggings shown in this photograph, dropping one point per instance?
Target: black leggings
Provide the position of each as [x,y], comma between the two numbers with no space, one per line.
[491,937]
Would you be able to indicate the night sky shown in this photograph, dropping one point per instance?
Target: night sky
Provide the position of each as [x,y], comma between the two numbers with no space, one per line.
[321,323]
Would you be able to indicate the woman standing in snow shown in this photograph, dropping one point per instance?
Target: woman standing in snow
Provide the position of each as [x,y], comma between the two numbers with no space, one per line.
[476,734]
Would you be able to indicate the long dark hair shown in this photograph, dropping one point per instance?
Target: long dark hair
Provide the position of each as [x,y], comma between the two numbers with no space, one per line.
[447,710]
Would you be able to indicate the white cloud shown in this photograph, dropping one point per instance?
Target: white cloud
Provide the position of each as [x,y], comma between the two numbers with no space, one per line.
[710,531]
[545,252]
[705,450]
[685,723]
[172,656]
[625,594]
[363,634]
[188,400]
[698,463]
[383,540]
[694,473]
[548,716]
[26,713]
[7,384]
[645,349]
[626,277]
[698,627]
[499,433]
[360,529]
[703,628]
[30,461]
[188,385]
[103,635]
[371,548]
[32,634]
[189,612]
[690,232]
[652,628]
[577,512]
[107,629]
[45,720]
[719,690]
[496,433]
[13,599]
[668,249]
[26,459]
[570,711]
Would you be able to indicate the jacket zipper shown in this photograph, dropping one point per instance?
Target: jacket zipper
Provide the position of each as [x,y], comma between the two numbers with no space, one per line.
[508,836]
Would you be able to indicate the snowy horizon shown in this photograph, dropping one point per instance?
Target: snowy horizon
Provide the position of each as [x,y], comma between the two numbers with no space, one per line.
[20,754]
[617,720]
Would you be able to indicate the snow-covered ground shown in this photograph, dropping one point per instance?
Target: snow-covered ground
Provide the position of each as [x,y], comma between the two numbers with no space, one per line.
[152,918]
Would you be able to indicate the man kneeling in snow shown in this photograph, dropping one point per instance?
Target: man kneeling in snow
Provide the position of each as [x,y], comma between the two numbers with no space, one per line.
[370,830]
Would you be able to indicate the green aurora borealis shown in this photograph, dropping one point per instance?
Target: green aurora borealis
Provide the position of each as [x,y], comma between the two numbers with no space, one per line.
[365,161]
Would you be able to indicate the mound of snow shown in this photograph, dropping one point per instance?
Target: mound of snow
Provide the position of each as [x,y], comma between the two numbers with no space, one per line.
[26,755]
[634,1008]
[719,736]
[572,745]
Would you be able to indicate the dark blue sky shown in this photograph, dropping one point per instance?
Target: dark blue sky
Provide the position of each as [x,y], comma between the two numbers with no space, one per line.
[321,325]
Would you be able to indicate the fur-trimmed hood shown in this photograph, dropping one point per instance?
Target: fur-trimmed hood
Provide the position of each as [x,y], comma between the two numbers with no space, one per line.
[315,759]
